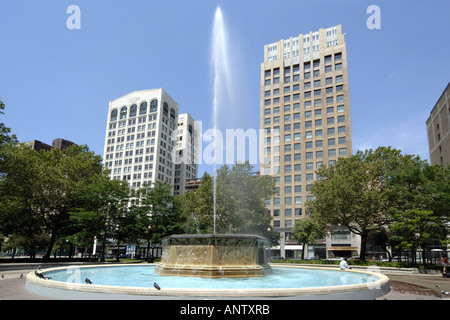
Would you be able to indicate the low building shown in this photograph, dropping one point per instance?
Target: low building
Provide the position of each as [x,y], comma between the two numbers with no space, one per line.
[57,143]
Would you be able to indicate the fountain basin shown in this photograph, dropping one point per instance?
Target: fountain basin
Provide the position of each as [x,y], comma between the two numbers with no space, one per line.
[135,282]
[214,256]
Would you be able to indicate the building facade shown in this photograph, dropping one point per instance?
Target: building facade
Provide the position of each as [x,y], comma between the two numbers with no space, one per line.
[305,117]
[186,166]
[438,129]
[59,143]
[138,143]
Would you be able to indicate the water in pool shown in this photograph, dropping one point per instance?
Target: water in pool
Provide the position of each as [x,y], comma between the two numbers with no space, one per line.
[145,276]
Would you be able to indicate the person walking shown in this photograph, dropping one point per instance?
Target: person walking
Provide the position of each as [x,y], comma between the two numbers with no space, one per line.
[444,262]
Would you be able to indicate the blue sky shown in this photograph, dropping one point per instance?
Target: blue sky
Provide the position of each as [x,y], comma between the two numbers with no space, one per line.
[57,83]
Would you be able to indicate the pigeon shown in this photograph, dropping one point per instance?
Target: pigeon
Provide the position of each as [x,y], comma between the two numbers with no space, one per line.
[88,281]
[437,286]
[3,276]
[40,275]
[21,275]
[157,286]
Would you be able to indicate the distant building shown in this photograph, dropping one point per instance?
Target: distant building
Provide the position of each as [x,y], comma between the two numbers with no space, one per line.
[186,166]
[62,144]
[191,185]
[438,129]
[57,143]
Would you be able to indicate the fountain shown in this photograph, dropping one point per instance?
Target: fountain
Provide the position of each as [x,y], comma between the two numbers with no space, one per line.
[214,256]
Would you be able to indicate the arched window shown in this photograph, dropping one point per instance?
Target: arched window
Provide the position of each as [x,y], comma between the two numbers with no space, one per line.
[172,115]
[113,115]
[143,108]
[154,106]
[123,113]
[133,110]
[166,109]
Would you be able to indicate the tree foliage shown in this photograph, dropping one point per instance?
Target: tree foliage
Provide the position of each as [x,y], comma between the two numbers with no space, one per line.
[42,186]
[240,206]
[358,191]
[160,212]
[309,230]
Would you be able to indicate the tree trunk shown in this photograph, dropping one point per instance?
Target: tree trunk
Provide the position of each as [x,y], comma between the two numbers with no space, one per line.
[50,245]
[362,254]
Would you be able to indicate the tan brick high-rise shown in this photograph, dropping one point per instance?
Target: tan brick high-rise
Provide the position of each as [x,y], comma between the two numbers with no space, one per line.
[305,116]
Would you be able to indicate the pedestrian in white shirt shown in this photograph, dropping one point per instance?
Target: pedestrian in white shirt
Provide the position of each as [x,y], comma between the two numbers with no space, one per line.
[343,264]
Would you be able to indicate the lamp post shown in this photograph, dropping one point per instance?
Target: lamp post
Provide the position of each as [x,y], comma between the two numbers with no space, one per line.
[149,256]
[104,243]
[270,240]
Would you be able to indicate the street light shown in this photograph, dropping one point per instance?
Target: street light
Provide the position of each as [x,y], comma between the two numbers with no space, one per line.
[149,257]
[104,243]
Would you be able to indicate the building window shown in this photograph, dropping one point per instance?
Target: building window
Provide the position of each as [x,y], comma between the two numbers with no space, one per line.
[143,108]
[133,110]
[113,115]
[154,106]
[123,113]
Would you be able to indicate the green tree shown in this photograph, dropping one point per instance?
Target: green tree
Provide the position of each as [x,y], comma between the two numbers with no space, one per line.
[355,192]
[100,206]
[6,137]
[160,212]
[198,207]
[240,202]
[307,231]
[42,185]
[416,229]
[419,212]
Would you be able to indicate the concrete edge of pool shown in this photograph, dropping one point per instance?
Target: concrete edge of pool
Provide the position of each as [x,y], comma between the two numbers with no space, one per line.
[378,287]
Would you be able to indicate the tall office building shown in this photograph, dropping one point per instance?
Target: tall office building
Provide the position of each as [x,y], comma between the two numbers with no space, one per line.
[138,143]
[438,129]
[186,167]
[305,116]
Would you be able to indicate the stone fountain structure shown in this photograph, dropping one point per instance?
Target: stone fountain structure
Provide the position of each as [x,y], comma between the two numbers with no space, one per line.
[214,256]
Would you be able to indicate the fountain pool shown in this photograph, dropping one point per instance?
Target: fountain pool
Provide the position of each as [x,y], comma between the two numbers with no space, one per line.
[135,281]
